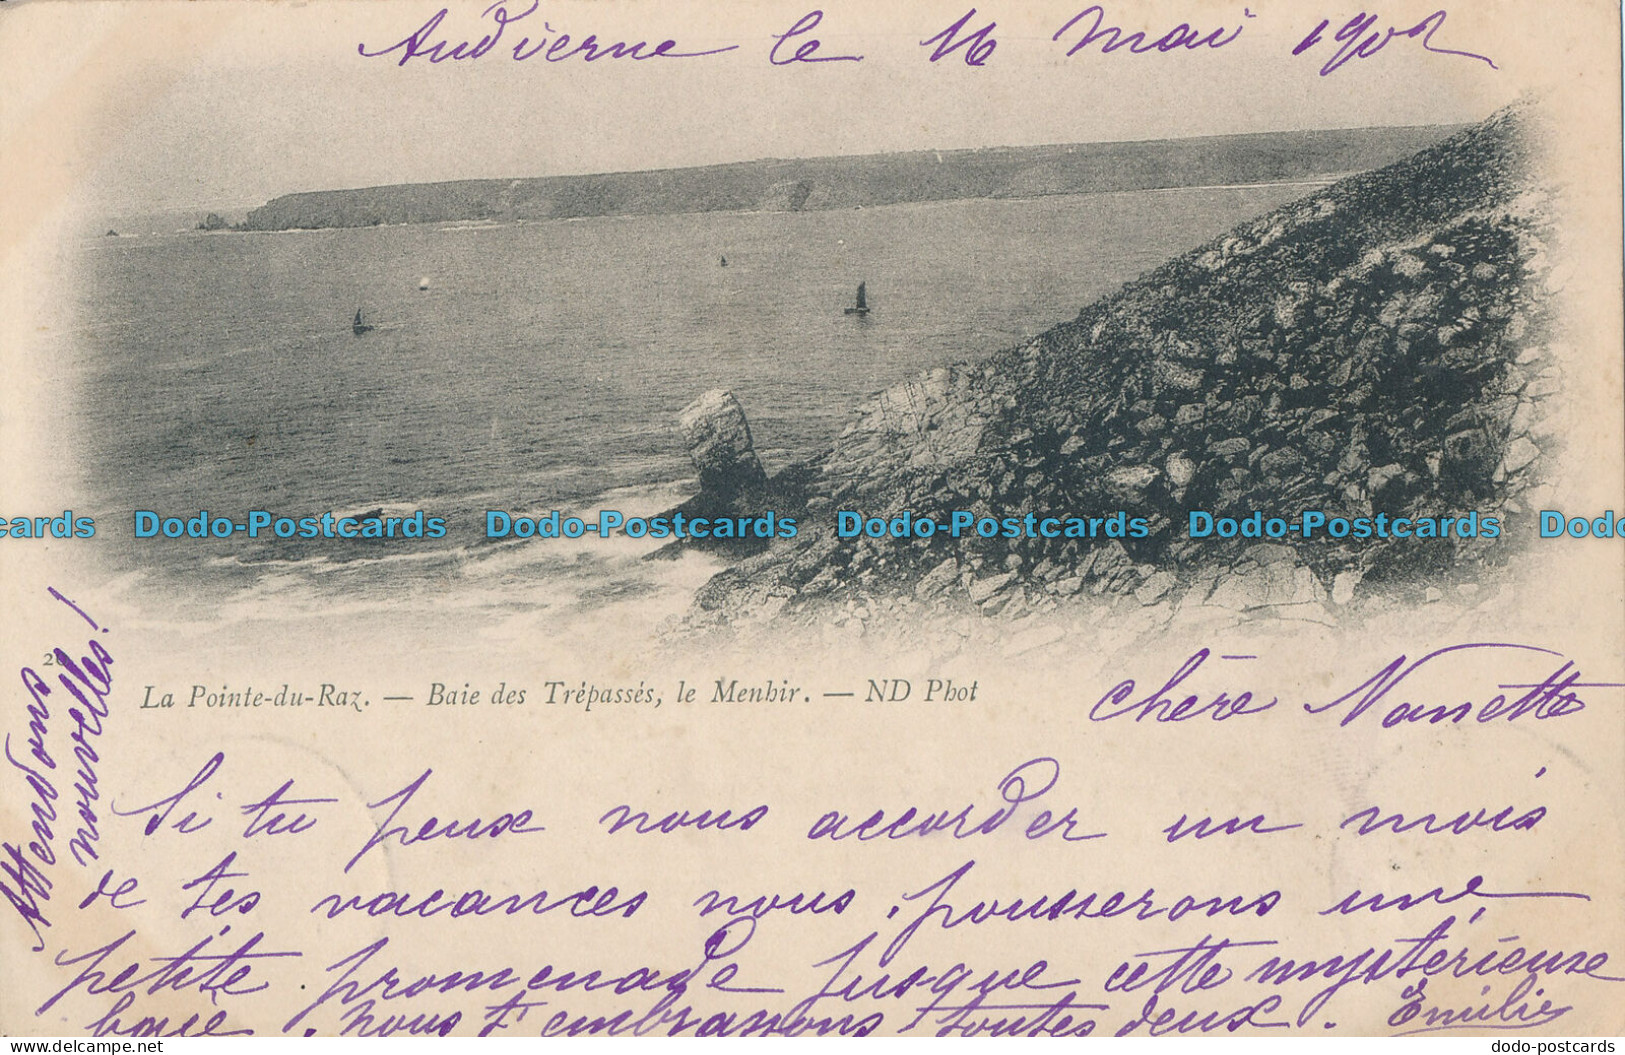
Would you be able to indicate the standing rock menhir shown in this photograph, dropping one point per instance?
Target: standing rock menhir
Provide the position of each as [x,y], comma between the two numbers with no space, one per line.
[733,483]
[719,443]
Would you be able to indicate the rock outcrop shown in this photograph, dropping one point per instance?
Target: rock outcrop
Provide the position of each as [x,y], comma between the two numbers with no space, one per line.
[1383,346]
[733,484]
[719,445]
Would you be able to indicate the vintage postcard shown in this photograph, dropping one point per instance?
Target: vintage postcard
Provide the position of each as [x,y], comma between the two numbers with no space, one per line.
[561,518]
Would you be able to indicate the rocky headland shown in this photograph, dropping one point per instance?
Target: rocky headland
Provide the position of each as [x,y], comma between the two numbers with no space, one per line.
[1382,346]
[810,184]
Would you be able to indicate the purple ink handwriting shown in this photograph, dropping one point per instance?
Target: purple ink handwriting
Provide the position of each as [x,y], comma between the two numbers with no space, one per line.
[1206,828]
[1160,707]
[978,45]
[950,996]
[200,968]
[522,34]
[1182,37]
[1024,784]
[1070,905]
[518,823]
[1358,39]
[1552,697]
[264,822]
[425,42]
[1371,819]
[162,808]
[1510,1012]
[586,902]
[806,50]
[224,901]
[1358,901]
[26,885]
[1436,952]
[678,820]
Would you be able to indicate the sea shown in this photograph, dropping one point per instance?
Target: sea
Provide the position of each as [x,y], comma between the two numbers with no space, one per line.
[533,366]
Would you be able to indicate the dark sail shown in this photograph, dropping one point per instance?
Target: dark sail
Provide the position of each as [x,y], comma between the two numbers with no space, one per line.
[861,308]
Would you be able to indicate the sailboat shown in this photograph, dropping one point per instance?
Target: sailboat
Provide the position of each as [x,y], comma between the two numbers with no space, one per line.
[358,327]
[862,306]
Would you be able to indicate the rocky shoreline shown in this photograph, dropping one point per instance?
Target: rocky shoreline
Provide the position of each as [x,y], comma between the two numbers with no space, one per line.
[1382,346]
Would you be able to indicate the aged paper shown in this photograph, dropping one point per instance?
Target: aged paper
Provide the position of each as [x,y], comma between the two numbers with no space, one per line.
[748,519]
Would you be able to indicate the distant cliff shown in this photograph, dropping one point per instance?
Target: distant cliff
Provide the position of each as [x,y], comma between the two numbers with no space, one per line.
[848,182]
[1383,346]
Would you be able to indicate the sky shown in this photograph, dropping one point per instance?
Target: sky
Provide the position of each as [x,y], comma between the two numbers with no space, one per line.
[159,105]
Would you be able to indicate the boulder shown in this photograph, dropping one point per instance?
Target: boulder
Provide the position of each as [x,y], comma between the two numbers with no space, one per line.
[719,444]
[733,484]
